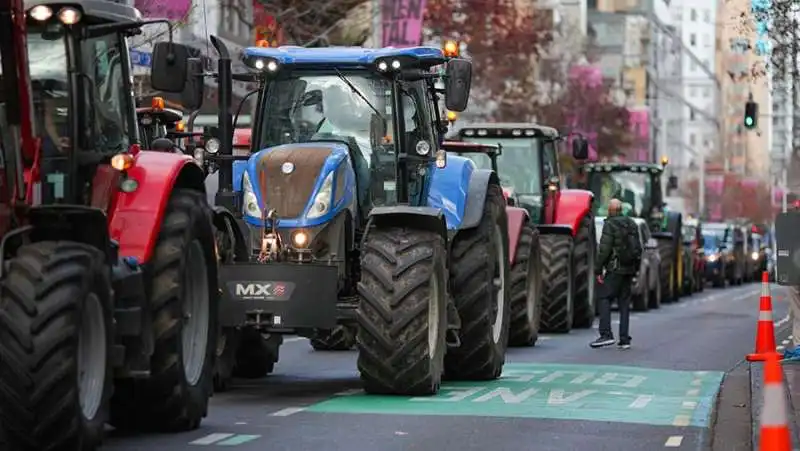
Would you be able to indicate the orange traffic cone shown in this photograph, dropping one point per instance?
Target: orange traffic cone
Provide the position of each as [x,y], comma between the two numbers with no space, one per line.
[765,332]
[775,435]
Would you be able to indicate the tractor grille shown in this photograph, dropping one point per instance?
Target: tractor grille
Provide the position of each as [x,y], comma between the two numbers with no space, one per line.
[289,193]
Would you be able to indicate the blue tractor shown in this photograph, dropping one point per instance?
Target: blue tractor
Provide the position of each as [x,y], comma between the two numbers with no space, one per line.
[354,216]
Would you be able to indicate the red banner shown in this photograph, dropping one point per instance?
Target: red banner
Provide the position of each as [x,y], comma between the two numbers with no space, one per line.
[265,27]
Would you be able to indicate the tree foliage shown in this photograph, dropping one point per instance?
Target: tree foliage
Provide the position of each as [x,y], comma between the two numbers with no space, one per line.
[503,38]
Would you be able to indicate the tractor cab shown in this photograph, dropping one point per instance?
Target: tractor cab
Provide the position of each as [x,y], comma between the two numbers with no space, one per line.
[528,165]
[638,184]
[156,122]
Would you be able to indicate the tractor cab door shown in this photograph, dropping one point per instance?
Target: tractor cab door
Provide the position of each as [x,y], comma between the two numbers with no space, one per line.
[550,179]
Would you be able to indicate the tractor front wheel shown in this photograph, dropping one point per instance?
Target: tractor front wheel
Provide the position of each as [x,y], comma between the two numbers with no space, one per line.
[402,312]
[340,338]
[479,275]
[526,290]
[558,285]
[583,259]
[183,295]
[56,337]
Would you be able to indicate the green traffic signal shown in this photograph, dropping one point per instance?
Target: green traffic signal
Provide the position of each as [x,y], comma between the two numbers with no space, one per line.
[748,121]
[750,114]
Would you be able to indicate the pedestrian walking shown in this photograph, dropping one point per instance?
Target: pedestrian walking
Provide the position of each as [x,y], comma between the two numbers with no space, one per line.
[618,259]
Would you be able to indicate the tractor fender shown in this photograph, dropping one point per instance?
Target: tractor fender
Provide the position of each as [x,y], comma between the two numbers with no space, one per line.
[136,219]
[573,205]
[449,188]
[423,218]
[224,220]
[476,196]
[517,217]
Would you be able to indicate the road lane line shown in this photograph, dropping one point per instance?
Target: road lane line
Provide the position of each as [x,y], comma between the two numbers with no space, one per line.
[674,441]
[697,382]
[693,392]
[640,402]
[211,438]
[682,420]
[689,404]
[287,411]
[238,440]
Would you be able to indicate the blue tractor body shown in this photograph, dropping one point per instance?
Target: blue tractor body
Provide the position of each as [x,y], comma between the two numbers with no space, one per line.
[357,217]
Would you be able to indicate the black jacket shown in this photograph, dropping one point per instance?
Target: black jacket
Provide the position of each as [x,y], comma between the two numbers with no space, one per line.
[614,230]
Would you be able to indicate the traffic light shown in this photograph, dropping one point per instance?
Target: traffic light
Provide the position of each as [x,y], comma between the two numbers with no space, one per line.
[750,114]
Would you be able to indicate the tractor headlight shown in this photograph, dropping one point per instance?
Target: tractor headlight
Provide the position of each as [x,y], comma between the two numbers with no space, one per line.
[69,16]
[250,202]
[394,64]
[212,145]
[713,257]
[322,201]
[263,64]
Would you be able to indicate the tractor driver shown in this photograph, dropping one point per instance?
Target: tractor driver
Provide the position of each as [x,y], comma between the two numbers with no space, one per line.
[52,123]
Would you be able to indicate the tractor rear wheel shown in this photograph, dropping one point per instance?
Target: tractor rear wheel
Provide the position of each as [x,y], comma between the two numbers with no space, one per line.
[56,337]
[558,287]
[583,259]
[479,276]
[526,290]
[402,312]
[182,291]
[340,338]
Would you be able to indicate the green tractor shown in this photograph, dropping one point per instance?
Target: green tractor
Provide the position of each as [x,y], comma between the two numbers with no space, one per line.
[639,185]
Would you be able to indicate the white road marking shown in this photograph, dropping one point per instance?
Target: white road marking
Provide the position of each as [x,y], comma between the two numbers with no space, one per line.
[674,441]
[689,404]
[693,392]
[681,420]
[287,411]
[785,342]
[211,438]
[240,423]
[640,402]
[697,382]
[700,373]
[782,321]
[780,348]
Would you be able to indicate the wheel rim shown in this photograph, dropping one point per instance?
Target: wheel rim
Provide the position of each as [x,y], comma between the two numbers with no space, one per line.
[433,316]
[590,271]
[533,287]
[91,357]
[195,313]
[499,284]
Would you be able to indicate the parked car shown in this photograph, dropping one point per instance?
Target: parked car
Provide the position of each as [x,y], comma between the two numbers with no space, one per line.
[646,289]
[724,250]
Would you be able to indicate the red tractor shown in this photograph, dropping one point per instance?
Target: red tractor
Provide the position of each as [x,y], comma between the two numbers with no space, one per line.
[524,252]
[529,171]
[108,284]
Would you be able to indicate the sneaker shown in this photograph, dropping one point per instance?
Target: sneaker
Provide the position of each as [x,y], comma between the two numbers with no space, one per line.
[602,342]
[624,344]
[792,355]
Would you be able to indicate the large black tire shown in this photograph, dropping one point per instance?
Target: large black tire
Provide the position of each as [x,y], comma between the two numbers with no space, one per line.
[666,272]
[50,289]
[654,298]
[403,293]
[583,259]
[254,357]
[183,267]
[526,289]
[340,338]
[558,285]
[480,279]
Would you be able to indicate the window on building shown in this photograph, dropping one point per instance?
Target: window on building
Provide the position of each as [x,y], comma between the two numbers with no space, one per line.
[694,15]
[707,16]
[691,114]
[694,65]
[706,92]
[692,39]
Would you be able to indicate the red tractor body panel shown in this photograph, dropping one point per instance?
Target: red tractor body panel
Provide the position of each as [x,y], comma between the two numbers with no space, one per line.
[572,206]
[135,218]
[517,217]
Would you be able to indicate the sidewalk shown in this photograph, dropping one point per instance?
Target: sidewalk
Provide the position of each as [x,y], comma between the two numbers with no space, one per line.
[791,373]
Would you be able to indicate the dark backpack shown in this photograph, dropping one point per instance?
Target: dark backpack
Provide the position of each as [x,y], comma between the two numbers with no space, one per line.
[629,253]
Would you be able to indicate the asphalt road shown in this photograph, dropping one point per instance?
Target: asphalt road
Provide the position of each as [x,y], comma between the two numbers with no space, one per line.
[559,395]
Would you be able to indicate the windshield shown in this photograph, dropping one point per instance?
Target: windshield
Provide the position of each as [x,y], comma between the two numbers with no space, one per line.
[630,187]
[316,107]
[518,163]
[713,237]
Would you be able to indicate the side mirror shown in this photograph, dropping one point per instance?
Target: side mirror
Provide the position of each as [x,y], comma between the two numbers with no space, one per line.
[194,92]
[458,79]
[580,148]
[169,67]
[651,244]
[162,144]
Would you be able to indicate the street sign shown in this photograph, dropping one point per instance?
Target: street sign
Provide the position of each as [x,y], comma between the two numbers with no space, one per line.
[141,58]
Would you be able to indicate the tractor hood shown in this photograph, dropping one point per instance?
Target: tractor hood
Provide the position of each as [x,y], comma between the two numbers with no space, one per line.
[293,179]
